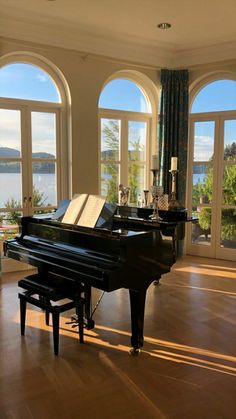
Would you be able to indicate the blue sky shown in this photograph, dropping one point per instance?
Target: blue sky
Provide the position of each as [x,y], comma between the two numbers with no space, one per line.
[26,81]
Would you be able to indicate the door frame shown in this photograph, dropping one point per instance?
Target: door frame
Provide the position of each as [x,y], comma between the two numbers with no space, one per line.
[214,250]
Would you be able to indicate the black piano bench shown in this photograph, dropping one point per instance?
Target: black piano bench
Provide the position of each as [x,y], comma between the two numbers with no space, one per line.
[41,290]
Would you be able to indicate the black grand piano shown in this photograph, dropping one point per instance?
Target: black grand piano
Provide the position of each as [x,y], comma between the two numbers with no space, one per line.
[125,250]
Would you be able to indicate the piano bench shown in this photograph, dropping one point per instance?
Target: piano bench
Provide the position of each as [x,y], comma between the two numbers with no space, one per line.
[41,290]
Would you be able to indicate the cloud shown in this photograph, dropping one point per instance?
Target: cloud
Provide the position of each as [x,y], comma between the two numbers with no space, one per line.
[41,77]
[203,148]
[43,131]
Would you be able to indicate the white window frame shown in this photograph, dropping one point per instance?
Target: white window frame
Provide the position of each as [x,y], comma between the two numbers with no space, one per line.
[218,117]
[150,92]
[125,117]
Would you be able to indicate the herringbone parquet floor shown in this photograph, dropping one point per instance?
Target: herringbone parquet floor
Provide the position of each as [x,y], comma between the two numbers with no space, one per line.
[187,369]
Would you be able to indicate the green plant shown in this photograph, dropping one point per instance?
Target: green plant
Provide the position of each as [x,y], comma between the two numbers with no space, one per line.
[204,218]
[13,216]
[110,136]
[228,221]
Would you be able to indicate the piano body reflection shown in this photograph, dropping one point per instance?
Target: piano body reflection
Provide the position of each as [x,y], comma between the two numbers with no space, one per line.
[131,254]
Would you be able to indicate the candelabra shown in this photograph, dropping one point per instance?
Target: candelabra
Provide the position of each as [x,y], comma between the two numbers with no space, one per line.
[173,203]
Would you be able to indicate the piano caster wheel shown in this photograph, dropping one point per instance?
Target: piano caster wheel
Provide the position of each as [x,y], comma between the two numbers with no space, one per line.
[90,324]
[135,351]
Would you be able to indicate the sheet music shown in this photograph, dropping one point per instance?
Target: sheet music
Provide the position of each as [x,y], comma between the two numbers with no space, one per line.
[75,209]
[91,211]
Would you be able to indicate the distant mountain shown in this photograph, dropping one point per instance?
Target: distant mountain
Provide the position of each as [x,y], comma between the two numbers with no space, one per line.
[9,152]
[12,152]
[14,167]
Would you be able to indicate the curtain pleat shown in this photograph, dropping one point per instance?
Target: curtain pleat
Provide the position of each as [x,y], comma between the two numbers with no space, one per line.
[173,128]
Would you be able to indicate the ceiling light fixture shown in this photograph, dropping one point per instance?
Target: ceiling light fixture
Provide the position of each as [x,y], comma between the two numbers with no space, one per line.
[164,25]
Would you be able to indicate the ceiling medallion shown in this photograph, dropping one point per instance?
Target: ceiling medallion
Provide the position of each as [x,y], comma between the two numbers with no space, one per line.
[164,25]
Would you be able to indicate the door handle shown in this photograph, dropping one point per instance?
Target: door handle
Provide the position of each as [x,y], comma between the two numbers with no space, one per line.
[30,201]
[25,201]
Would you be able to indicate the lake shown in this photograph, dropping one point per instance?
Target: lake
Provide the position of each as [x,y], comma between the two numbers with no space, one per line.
[10,187]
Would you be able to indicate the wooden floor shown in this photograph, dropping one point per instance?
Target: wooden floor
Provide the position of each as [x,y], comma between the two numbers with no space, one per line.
[187,369]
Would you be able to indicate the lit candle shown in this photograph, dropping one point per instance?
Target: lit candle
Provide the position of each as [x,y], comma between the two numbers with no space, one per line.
[174,161]
[155,162]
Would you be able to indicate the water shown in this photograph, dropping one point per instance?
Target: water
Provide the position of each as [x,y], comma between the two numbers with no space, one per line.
[10,187]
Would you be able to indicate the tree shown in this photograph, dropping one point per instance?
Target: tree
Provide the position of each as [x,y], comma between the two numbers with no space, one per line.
[110,178]
[228,219]
[110,133]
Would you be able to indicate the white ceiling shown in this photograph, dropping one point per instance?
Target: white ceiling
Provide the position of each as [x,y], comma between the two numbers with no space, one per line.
[202,31]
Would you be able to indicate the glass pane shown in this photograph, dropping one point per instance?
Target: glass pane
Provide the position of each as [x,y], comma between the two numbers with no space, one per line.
[10,185]
[202,184]
[110,139]
[219,95]
[44,184]
[201,231]
[123,95]
[204,140]
[230,140]
[136,182]
[137,134]
[25,81]
[229,185]
[43,135]
[10,133]
[110,181]
[228,228]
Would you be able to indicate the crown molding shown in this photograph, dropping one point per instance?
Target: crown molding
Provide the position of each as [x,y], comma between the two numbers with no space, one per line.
[137,51]
[205,55]
[134,50]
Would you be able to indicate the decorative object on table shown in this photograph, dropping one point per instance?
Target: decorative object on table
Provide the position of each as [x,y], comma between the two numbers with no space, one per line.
[155,169]
[124,194]
[163,202]
[173,203]
[155,190]
[145,193]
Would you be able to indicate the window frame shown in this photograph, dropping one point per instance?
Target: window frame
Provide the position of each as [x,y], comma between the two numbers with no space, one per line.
[125,117]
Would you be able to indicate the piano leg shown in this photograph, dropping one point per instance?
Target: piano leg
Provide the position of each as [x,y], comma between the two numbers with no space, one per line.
[137,306]
[87,308]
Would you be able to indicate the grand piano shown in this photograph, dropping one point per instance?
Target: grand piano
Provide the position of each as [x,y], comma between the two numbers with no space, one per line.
[125,250]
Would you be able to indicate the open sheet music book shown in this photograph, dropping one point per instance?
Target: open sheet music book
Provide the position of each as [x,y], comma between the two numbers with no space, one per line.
[84,210]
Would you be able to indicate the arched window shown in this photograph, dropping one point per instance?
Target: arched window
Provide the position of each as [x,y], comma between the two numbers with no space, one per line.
[125,125]
[32,102]
[26,81]
[213,167]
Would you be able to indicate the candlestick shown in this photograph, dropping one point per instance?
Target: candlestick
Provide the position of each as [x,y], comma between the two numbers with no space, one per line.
[155,162]
[173,203]
[174,162]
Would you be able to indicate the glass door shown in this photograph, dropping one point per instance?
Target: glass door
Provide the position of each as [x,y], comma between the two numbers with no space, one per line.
[212,187]
[226,231]
[29,175]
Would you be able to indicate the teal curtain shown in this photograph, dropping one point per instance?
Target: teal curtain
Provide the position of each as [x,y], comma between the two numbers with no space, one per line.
[173,128]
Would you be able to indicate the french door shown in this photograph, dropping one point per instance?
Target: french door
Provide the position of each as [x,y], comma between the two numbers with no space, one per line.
[29,162]
[212,185]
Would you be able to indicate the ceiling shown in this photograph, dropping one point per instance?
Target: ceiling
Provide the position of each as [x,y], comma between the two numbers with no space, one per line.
[202,31]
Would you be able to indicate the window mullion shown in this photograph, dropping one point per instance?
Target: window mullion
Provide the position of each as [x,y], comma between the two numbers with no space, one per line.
[124,151]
